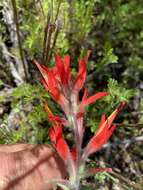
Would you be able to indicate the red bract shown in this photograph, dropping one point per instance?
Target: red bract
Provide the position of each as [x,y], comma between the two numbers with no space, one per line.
[63,71]
[92,171]
[86,101]
[53,82]
[81,75]
[93,98]
[60,84]
[55,134]
[54,118]
[103,133]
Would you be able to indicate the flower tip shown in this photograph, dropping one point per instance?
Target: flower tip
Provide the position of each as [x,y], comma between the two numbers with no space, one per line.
[110,170]
[34,61]
[57,56]
[120,107]
[106,93]
[89,53]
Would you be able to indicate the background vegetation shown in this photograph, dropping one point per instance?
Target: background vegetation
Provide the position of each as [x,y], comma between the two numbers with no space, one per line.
[113,30]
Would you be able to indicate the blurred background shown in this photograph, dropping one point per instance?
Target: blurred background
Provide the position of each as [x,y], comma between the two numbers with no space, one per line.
[113,30]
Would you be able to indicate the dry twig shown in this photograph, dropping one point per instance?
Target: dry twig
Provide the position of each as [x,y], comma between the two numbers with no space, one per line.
[19,39]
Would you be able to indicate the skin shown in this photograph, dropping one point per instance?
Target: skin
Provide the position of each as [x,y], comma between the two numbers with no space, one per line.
[29,167]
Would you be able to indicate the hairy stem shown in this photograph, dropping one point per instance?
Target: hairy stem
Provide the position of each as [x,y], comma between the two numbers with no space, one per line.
[78,144]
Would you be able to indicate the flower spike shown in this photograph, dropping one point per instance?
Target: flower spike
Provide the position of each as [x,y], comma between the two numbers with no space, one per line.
[64,90]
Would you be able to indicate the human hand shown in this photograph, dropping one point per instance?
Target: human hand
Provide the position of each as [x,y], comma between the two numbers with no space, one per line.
[29,167]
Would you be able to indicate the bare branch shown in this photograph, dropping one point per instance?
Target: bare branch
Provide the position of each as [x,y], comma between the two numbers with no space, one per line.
[18,36]
[45,37]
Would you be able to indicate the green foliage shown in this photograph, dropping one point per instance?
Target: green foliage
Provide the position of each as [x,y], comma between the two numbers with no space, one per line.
[31,116]
[80,24]
[74,19]
[108,56]
[29,92]
[32,41]
[101,176]
[118,93]
[93,123]
[119,23]
[2,98]
[6,134]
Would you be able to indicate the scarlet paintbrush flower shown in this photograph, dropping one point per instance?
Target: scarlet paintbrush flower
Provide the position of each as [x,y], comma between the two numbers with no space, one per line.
[54,118]
[64,89]
[103,133]
[86,101]
[61,85]
[55,134]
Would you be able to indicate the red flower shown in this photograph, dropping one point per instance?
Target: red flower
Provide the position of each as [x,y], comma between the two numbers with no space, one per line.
[54,118]
[62,87]
[86,101]
[103,133]
[55,134]
[56,137]
[53,82]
